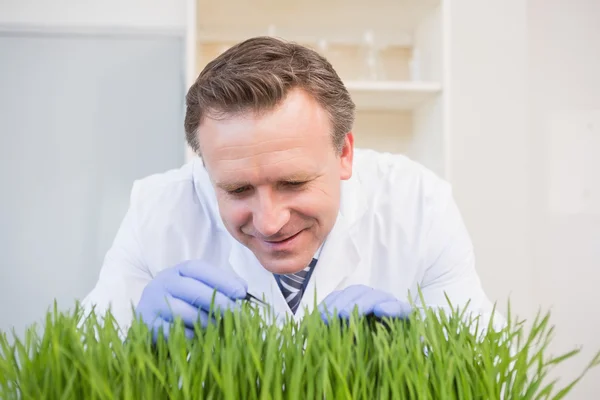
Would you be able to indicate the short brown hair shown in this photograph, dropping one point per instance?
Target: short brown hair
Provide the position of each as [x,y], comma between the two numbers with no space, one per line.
[256,75]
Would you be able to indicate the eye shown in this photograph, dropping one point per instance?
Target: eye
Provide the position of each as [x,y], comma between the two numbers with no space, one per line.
[239,190]
[295,184]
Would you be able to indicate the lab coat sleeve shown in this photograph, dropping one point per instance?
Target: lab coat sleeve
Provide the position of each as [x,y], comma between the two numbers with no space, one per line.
[450,272]
[124,273]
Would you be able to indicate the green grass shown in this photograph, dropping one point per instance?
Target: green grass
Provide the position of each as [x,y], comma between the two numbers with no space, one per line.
[430,356]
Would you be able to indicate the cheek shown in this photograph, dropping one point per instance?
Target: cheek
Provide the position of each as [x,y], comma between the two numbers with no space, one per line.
[233,213]
[318,203]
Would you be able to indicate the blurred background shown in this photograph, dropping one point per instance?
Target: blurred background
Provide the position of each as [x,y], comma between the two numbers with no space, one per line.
[499,97]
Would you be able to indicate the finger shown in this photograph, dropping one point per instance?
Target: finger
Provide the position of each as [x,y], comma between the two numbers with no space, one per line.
[225,281]
[365,302]
[348,297]
[344,299]
[393,309]
[325,306]
[190,315]
[165,327]
[198,294]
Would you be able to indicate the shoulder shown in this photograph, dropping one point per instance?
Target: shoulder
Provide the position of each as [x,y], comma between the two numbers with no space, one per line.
[171,186]
[184,194]
[403,196]
[395,176]
[174,215]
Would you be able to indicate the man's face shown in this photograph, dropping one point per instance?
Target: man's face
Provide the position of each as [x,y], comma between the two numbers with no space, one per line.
[277,179]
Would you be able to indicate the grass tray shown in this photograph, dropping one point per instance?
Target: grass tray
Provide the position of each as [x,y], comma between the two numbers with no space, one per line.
[431,355]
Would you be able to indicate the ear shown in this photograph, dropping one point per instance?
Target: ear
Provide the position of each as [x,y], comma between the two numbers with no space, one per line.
[346,157]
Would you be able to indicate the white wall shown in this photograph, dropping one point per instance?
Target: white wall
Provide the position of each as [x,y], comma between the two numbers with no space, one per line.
[487,85]
[564,121]
[104,16]
[161,14]
[525,131]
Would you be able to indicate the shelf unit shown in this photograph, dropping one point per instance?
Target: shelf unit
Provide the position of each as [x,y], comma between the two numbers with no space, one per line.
[392,95]
[399,97]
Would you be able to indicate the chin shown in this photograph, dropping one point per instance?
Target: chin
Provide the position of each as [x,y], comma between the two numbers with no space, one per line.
[284,258]
[282,266]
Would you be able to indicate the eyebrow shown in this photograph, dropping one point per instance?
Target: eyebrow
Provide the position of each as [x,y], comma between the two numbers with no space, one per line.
[230,186]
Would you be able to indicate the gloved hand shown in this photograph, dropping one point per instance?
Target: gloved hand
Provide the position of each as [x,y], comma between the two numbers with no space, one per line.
[366,299]
[186,290]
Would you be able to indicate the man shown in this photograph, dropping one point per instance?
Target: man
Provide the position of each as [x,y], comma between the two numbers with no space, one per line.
[280,205]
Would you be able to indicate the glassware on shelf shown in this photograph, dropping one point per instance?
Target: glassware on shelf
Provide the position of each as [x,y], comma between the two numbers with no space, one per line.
[322,47]
[414,65]
[371,59]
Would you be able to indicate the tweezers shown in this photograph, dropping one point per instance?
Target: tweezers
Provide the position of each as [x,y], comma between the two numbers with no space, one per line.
[252,298]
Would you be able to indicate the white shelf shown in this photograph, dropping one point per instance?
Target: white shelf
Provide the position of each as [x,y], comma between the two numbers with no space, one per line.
[338,21]
[392,95]
[333,35]
[404,114]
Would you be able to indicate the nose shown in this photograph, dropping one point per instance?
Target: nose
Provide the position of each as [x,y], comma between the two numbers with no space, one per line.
[269,215]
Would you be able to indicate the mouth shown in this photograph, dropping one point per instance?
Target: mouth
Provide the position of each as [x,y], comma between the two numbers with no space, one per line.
[287,245]
[288,239]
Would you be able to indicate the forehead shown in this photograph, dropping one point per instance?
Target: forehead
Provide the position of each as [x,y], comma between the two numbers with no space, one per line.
[295,135]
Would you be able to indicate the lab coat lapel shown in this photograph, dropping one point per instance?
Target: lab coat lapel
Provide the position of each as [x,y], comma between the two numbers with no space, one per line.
[341,253]
[339,258]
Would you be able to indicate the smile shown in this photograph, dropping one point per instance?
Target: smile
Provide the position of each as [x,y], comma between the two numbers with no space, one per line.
[285,245]
[284,240]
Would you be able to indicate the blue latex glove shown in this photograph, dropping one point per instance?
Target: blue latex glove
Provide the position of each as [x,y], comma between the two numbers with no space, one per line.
[186,290]
[366,299]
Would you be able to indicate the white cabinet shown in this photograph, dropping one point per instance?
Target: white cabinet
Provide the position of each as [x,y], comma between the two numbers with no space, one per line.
[389,53]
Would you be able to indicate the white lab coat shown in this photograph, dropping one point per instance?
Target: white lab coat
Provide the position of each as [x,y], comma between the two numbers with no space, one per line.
[398,229]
